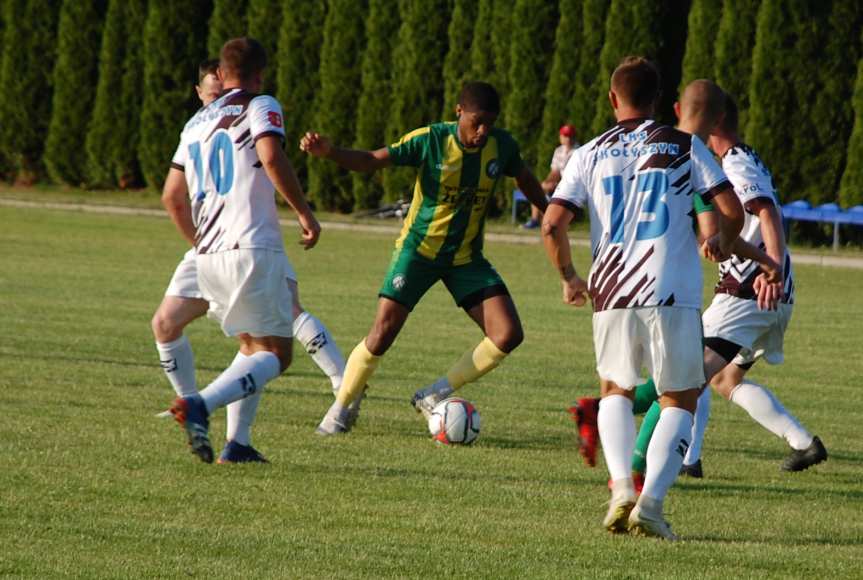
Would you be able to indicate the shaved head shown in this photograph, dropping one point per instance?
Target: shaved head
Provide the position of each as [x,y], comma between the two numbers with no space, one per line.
[702,102]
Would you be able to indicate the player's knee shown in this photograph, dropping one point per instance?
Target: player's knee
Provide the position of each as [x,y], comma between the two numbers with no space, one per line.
[723,385]
[165,329]
[508,339]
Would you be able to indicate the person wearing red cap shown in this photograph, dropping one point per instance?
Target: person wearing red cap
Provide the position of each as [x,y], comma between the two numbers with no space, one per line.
[568,144]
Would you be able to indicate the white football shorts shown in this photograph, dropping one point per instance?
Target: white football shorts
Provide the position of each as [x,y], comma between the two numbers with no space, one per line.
[247,291]
[665,339]
[184,282]
[759,333]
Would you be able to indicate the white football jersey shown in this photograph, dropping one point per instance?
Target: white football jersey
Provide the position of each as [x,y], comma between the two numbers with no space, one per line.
[233,206]
[751,180]
[638,180]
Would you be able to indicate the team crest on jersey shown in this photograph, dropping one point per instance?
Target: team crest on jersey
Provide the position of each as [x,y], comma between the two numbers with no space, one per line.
[492,168]
[275,119]
[398,281]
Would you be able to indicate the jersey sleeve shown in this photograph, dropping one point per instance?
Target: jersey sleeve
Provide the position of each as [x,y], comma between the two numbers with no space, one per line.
[178,161]
[707,177]
[700,205]
[750,181]
[265,118]
[572,191]
[411,148]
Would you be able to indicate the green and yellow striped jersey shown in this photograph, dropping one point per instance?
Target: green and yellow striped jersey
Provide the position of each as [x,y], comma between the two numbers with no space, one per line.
[453,187]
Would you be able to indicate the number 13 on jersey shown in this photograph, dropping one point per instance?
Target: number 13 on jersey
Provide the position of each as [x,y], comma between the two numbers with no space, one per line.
[653,183]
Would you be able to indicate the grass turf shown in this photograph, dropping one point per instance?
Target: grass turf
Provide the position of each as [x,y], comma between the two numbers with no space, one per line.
[91,485]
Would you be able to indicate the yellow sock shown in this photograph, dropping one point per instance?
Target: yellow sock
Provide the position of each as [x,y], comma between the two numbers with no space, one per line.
[475,363]
[361,365]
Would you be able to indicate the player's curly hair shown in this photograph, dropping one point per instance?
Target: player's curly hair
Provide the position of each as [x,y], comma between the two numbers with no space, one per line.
[479,96]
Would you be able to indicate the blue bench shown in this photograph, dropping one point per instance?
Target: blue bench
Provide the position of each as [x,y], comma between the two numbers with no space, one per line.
[517,196]
[829,213]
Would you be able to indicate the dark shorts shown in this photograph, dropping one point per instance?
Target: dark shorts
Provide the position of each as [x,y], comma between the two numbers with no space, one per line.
[411,275]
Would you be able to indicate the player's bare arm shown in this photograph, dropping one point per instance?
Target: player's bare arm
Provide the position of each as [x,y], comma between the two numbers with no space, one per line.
[351,159]
[175,198]
[729,213]
[555,238]
[280,171]
[708,227]
[531,188]
[770,289]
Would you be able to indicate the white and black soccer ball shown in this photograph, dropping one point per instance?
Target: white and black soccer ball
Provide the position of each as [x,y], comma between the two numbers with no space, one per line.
[454,421]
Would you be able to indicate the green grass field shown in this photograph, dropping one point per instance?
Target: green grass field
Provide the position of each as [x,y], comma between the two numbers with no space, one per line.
[92,485]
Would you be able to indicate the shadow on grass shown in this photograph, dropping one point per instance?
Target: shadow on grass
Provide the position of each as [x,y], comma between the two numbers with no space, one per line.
[717,489]
[774,541]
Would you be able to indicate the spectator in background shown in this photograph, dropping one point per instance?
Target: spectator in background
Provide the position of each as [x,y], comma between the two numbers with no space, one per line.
[568,144]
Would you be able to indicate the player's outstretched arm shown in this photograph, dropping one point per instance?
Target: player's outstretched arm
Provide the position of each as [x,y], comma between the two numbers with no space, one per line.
[531,188]
[175,198]
[708,227]
[351,159]
[555,238]
[280,171]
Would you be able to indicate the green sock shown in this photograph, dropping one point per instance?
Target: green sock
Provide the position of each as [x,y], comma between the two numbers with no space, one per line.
[639,456]
[645,395]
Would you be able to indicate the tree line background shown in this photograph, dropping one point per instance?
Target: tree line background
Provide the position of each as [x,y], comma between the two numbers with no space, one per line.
[97,91]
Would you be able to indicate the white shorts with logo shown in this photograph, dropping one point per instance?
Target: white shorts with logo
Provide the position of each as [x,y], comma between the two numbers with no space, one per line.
[184,282]
[759,333]
[665,339]
[247,292]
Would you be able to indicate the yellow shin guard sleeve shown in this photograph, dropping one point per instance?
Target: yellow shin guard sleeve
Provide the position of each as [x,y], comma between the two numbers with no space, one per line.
[361,365]
[475,363]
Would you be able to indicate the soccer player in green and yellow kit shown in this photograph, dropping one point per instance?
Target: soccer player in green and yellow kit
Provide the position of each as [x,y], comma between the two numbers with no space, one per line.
[459,165]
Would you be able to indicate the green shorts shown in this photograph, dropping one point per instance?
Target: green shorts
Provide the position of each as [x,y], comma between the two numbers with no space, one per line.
[411,275]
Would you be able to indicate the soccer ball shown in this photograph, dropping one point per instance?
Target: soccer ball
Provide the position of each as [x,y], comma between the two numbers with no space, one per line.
[454,421]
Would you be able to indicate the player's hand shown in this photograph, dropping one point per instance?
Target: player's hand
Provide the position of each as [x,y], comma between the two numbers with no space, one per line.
[768,294]
[711,249]
[316,144]
[574,291]
[772,272]
[311,230]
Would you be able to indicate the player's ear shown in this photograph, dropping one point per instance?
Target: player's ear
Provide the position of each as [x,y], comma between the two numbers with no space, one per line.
[458,110]
[677,109]
[219,74]
[612,98]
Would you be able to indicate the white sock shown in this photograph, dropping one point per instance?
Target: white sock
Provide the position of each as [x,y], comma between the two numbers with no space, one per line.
[699,424]
[242,379]
[319,343]
[617,434]
[666,450]
[241,414]
[765,408]
[178,362]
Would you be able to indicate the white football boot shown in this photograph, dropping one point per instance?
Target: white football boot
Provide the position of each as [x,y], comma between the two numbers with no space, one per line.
[623,499]
[646,520]
[425,400]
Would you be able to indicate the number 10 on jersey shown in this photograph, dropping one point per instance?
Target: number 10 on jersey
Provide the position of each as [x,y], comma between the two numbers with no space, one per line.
[220,165]
[654,183]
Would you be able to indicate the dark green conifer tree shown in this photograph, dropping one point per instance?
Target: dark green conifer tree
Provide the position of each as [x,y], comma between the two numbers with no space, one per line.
[501,42]
[29,48]
[341,56]
[773,107]
[112,136]
[382,25]
[174,46]
[264,20]
[227,21]
[828,33]
[560,91]
[297,71]
[735,42]
[851,187]
[587,85]
[532,42]
[632,27]
[79,37]
[481,47]
[417,95]
[698,59]
[457,65]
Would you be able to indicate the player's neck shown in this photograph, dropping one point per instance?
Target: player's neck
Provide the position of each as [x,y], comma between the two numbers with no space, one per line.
[694,128]
[626,113]
[722,143]
[250,86]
